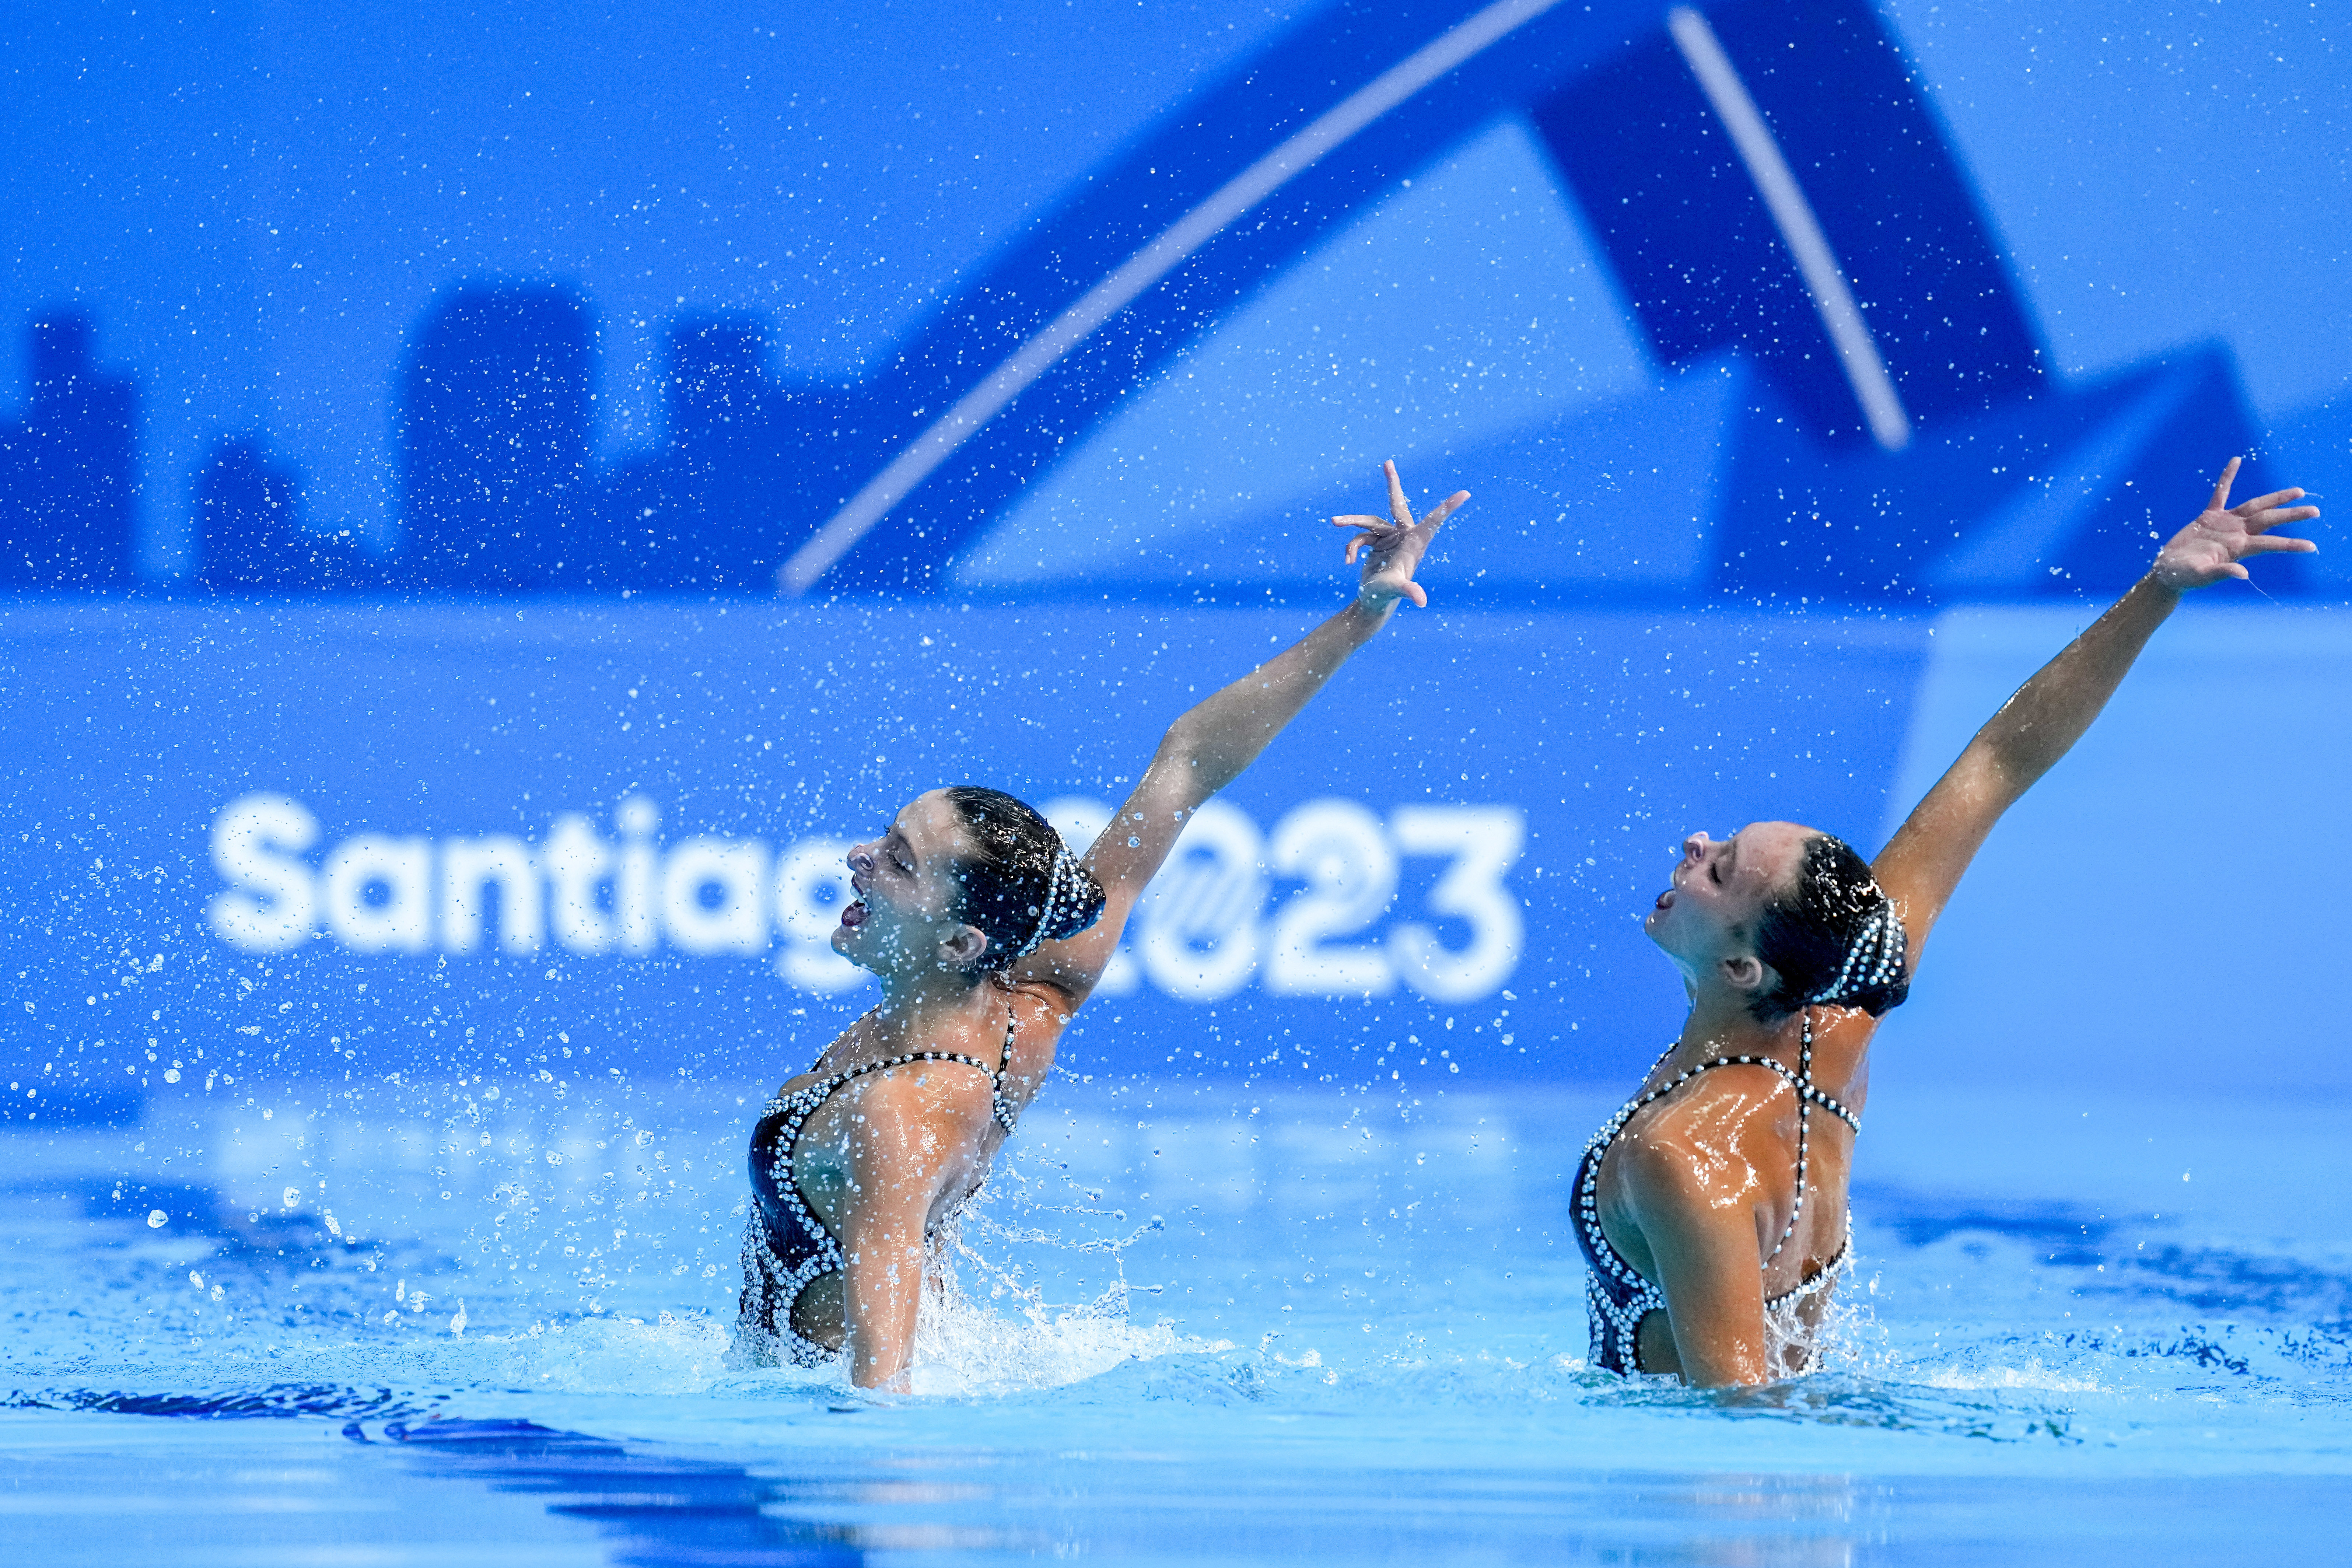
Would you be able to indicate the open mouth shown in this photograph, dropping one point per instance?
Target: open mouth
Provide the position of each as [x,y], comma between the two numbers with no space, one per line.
[1666,899]
[852,914]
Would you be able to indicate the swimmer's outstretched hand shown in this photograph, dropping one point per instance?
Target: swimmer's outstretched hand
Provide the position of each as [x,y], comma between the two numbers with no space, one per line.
[1393,546]
[2210,548]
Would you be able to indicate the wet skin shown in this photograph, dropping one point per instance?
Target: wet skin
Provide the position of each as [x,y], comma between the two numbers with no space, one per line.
[1698,1187]
[888,1157]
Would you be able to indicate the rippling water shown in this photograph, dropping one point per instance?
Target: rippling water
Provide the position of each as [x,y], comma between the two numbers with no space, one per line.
[1184,1324]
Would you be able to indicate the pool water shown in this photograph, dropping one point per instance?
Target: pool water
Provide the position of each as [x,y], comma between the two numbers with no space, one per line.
[1187,1322]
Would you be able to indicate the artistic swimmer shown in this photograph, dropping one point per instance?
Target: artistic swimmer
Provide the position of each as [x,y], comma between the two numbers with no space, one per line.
[1712,1208]
[987,934]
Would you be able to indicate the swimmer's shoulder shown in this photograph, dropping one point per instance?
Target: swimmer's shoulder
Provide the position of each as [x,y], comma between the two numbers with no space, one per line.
[1674,1184]
[1708,1119]
[914,1098]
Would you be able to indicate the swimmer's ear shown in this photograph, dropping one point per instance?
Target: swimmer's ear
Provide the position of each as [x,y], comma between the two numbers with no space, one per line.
[1750,974]
[961,948]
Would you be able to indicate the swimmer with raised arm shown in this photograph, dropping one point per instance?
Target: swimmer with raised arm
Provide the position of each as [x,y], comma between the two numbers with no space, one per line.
[1712,1208]
[987,934]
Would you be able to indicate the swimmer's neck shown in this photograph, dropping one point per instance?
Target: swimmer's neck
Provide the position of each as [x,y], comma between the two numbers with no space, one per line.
[1721,1026]
[919,996]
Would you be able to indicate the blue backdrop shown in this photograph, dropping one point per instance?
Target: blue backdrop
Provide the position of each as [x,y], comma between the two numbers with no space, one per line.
[409,349]
[360,840]
[484,301]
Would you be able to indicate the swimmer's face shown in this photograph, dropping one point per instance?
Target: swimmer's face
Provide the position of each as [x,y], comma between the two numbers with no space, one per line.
[906,886]
[1707,920]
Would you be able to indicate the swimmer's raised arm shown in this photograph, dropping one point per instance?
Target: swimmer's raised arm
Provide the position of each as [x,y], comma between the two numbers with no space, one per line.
[1208,747]
[1922,864]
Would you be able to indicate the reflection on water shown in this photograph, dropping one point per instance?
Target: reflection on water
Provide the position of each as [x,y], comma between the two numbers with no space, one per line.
[454,1492]
[1181,1325]
[652,1510]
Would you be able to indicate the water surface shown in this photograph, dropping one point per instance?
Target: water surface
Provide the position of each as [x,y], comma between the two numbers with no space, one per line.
[1186,1323]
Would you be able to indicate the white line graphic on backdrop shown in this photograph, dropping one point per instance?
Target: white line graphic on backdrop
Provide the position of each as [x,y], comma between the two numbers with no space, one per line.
[1800,230]
[1106,298]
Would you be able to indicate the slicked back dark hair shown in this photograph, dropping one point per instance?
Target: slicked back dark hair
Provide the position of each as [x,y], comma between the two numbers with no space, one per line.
[1005,876]
[1805,931]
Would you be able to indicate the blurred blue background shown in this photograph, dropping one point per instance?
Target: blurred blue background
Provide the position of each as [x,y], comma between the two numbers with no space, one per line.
[961,393]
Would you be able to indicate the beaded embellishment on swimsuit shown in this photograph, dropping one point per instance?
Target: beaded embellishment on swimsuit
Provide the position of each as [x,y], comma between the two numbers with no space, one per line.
[1617,1296]
[788,1250]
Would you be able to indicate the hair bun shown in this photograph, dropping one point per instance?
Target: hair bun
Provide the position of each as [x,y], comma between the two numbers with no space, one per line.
[1081,903]
[1875,962]
[1070,890]
[1018,882]
[1834,938]
[1879,1000]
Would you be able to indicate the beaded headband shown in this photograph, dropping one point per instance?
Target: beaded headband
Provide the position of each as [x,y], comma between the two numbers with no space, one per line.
[1063,884]
[1873,957]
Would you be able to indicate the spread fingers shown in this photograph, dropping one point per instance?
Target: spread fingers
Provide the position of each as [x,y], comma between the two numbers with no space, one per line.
[2268,513]
[1444,509]
[2222,486]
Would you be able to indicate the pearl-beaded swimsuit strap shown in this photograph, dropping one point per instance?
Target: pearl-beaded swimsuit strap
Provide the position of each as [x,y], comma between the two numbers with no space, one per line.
[1002,1107]
[798,1107]
[1005,1113]
[1801,1082]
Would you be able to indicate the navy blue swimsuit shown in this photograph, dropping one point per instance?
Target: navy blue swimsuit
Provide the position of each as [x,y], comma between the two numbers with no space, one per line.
[785,1247]
[1617,1297]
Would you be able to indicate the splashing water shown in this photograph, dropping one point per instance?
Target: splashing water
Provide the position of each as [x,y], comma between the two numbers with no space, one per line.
[1249,1286]
[1017,1338]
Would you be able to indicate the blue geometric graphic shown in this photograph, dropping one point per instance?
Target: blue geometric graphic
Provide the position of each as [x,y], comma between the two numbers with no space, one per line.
[1857,404]
[1764,180]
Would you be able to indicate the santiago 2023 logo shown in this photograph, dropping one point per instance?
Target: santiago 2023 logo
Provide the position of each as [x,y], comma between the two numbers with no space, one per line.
[1204,930]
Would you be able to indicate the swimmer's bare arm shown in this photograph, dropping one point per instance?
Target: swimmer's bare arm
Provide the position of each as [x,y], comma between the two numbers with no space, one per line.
[1209,747]
[1697,1214]
[1923,863]
[900,1129]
